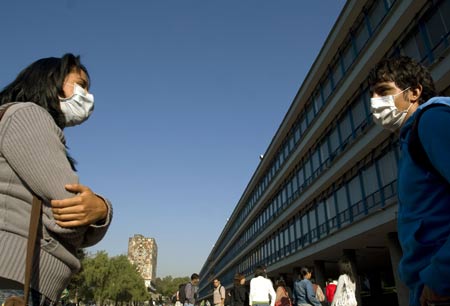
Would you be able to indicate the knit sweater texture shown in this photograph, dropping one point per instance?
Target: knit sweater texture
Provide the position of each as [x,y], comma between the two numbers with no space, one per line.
[33,160]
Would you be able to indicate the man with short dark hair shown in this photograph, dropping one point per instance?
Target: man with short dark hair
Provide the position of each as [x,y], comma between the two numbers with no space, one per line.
[191,290]
[404,99]
[218,293]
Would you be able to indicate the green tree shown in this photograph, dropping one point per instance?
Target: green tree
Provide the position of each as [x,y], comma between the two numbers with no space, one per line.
[96,274]
[168,286]
[126,284]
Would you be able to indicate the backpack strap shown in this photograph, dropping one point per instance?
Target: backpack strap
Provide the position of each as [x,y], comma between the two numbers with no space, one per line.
[415,147]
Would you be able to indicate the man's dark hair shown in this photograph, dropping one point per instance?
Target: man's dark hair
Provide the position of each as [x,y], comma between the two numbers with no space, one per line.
[42,83]
[404,72]
[260,271]
[195,276]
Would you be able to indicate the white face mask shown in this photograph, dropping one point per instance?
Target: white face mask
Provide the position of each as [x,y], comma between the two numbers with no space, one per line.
[386,114]
[78,107]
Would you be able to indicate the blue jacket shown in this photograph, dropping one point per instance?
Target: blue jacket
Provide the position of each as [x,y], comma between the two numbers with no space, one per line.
[424,204]
[304,293]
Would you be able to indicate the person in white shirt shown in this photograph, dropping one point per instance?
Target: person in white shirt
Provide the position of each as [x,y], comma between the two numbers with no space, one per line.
[261,289]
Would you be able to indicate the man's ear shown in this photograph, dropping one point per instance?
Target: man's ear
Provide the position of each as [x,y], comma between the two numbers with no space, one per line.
[415,93]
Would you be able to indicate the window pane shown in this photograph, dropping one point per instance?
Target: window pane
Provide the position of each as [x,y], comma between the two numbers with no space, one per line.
[300,177]
[324,150]
[307,168]
[326,87]
[341,198]
[298,227]
[359,113]
[297,133]
[444,8]
[388,168]
[321,213]
[345,127]
[361,36]
[376,14]
[435,28]
[315,156]
[312,219]
[310,112]
[413,46]
[347,56]
[370,180]
[303,124]
[355,190]
[331,210]
[336,72]
[317,101]
[305,228]
[334,140]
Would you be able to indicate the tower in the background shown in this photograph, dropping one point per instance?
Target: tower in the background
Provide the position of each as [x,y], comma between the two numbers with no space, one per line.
[143,253]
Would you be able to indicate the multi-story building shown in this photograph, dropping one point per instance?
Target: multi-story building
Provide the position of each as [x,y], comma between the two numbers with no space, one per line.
[143,253]
[326,185]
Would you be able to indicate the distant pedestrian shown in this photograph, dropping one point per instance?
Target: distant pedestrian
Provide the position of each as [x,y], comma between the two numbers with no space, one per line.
[304,294]
[191,290]
[345,294]
[218,293]
[330,289]
[261,289]
[239,293]
[282,295]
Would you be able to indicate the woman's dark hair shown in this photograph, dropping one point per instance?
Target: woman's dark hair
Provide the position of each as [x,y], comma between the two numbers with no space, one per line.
[345,267]
[237,279]
[404,72]
[42,83]
[280,282]
[304,271]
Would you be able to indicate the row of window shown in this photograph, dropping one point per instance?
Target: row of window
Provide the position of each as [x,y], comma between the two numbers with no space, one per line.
[368,21]
[363,189]
[346,129]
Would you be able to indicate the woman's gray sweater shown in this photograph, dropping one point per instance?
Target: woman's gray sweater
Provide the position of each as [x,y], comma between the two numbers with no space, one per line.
[33,158]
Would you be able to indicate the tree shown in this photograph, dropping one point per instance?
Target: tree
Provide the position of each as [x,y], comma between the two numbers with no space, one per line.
[126,283]
[167,286]
[96,274]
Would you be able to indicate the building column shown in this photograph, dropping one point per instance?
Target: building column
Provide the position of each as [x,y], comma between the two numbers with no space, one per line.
[350,254]
[319,273]
[396,253]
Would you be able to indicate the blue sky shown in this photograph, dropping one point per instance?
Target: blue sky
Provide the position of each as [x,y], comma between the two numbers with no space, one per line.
[188,94]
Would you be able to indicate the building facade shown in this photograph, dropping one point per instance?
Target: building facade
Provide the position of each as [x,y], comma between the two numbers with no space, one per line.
[143,253]
[327,183]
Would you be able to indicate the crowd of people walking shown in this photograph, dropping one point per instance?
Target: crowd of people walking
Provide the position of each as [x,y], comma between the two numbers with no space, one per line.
[262,291]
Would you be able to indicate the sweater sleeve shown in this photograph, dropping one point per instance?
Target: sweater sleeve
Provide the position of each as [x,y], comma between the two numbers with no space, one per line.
[32,147]
[433,132]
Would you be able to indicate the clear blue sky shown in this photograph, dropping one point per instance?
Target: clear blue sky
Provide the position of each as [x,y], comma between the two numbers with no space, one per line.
[188,94]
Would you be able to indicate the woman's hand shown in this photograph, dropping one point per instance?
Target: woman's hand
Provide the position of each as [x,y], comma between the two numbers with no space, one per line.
[85,208]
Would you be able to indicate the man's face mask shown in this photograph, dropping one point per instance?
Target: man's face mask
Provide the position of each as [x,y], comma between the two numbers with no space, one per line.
[78,107]
[386,114]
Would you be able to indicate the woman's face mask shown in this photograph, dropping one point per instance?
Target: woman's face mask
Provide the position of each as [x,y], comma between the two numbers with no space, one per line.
[386,114]
[78,107]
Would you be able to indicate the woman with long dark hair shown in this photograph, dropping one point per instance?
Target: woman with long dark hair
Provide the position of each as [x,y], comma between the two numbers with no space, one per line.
[46,97]
[304,294]
[346,287]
